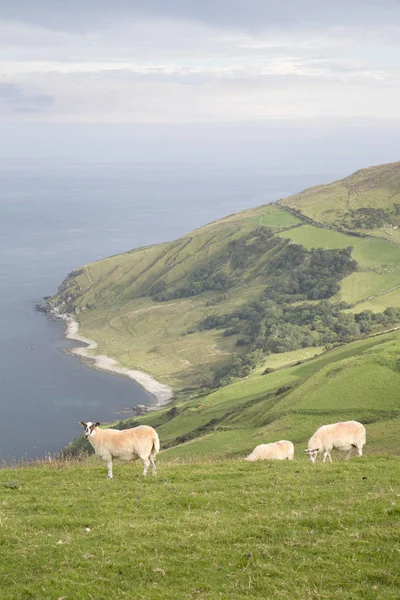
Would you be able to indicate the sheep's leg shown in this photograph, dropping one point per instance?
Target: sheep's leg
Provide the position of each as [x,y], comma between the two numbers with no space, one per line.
[153,464]
[109,469]
[327,454]
[359,450]
[348,454]
[146,466]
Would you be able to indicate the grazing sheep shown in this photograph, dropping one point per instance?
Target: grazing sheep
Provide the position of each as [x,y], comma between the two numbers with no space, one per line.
[338,436]
[276,450]
[128,444]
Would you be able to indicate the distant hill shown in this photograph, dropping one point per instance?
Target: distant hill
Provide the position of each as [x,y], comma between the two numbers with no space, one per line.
[222,298]
[366,202]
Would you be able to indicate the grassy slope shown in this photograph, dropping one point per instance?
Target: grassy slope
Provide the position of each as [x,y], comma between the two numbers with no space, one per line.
[376,187]
[360,380]
[209,530]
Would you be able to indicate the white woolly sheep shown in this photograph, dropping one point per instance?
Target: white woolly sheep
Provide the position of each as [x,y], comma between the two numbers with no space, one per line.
[129,444]
[338,436]
[281,450]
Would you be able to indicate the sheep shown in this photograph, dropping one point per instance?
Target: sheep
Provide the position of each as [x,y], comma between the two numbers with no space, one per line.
[338,436]
[276,450]
[129,444]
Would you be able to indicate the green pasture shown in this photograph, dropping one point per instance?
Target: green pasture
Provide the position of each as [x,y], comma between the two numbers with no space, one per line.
[380,302]
[211,530]
[268,215]
[370,253]
[364,285]
[284,359]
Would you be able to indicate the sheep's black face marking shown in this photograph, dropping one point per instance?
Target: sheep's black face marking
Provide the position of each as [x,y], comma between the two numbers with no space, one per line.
[89,427]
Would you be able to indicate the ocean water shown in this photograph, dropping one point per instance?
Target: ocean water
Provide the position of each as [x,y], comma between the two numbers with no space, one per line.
[57,216]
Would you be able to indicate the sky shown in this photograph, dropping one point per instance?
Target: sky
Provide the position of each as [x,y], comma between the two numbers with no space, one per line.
[135,62]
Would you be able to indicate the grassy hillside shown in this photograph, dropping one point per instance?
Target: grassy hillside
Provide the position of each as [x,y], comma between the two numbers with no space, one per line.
[208,530]
[145,307]
[366,202]
[360,381]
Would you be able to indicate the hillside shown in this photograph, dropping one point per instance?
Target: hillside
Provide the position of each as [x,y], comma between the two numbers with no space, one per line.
[184,310]
[360,381]
[210,530]
[366,202]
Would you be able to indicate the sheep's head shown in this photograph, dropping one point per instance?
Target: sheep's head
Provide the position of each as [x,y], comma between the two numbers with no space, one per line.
[312,454]
[89,427]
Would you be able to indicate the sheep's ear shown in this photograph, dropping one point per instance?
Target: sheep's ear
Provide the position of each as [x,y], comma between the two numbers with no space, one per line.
[82,423]
[97,424]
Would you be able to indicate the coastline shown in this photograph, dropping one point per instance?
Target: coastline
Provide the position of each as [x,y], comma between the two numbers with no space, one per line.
[161,391]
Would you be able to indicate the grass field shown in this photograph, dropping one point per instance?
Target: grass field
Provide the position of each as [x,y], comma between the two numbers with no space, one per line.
[380,302]
[212,530]
[368,285]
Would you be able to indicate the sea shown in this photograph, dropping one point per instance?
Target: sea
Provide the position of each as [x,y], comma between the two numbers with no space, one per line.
[56,215]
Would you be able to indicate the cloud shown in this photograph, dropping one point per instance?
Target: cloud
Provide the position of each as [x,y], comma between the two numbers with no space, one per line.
[243,14]
[14,99]
[179,61]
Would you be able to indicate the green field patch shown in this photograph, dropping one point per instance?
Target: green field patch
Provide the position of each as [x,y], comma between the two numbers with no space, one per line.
[277,361]
[350,384]
[372,254]
[311,237]
[369,253]
[275,217]
[364,284]
[380,302]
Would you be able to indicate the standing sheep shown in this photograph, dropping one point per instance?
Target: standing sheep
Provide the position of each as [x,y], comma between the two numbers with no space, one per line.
[338,436]
[129,444]
[275,451]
